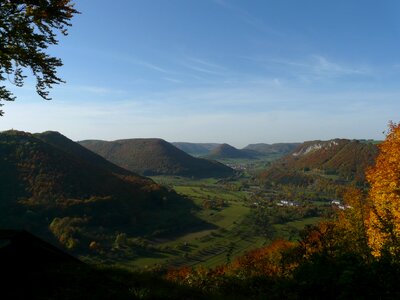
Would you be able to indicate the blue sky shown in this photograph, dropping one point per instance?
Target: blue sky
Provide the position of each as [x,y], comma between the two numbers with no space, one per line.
[222,71]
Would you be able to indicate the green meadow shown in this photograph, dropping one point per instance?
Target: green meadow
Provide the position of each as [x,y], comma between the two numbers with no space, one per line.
[225,206]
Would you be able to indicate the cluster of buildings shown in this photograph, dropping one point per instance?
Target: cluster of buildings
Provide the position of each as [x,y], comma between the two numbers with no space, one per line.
[339,205]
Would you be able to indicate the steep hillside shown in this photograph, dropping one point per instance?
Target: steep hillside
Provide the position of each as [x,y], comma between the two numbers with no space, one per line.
[196,149]
[155,157]
[61,142]
[345,159]
[79,198]
[226,151]
[278,148]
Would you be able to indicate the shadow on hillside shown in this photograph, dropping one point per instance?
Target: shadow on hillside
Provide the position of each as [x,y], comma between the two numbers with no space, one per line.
[34,269]
[177,219]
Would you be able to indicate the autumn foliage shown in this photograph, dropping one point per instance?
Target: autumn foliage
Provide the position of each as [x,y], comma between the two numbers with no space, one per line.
[356,255]
[384,178]
[272,260]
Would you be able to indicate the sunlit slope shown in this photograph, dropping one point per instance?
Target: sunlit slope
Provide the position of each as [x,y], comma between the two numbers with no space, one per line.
[341,158]
[278,148]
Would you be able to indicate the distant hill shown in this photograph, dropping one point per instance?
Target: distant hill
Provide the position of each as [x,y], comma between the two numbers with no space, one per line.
[196,149]
[61,191]
[226,151]
[278,148]
[155,157]
[223,151]
[346,159]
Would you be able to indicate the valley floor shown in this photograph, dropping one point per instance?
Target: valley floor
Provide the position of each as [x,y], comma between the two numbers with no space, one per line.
[233,211]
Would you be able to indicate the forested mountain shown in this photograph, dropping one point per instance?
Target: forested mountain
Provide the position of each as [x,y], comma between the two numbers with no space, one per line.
[196,149]
[53,187]
[278,148]
[61,142]
[345,159]
[155,157]
[226,151]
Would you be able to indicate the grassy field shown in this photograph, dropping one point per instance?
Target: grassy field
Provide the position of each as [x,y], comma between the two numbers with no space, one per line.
[251,166]
[289,230]
[228,238]
[225,207]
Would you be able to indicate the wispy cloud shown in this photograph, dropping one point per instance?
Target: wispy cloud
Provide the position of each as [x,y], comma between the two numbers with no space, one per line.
[201,69]
[128,59]
[322,64]
[203,66]
[150,66]
[143,118]
[258,110]
[312,68]
[172,80]
[206,63]
[132,59]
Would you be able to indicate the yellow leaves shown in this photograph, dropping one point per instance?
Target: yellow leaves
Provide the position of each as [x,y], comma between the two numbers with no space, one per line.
[353,218]
[384,222]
